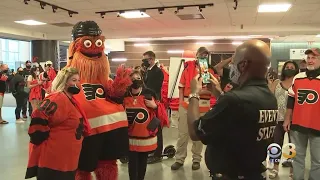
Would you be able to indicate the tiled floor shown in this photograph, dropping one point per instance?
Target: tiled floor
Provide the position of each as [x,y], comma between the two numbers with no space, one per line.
[14,154]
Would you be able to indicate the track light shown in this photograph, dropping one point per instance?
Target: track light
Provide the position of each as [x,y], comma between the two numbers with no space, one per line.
[54,9]
[42,5]
[160,9]
[102,15]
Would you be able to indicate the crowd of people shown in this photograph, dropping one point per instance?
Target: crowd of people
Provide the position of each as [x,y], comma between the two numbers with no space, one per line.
[82,120]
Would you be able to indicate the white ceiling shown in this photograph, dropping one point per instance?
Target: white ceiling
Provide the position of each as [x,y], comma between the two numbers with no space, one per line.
[221,20]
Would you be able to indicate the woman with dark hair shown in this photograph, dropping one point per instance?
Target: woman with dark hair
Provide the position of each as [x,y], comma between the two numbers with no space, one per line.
[145,115]
[35,86]
[280,90]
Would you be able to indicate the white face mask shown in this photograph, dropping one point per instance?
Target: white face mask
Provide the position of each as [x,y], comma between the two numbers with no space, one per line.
[234,73]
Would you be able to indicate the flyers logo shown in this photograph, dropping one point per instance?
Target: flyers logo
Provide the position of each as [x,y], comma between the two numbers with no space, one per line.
[92,91]
[307,95]
[138,115]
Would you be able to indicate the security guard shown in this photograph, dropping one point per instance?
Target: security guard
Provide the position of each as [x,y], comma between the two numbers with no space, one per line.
[239,128]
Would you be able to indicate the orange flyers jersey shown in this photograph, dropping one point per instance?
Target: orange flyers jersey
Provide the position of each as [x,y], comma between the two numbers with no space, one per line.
[102,115]
[306,92]
[204,104]
[139,117]
[56,134]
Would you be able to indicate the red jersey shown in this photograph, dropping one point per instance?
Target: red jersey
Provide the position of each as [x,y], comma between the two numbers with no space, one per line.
[103,115]
[139,117]
[306,92]
[56,133]
[190,71]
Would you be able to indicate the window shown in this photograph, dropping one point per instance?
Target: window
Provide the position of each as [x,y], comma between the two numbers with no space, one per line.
[13,52]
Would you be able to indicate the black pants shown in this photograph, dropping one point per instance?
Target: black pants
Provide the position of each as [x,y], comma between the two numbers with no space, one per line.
[21,101]
[24,109]
[158,151]
[278,137]
[137,165]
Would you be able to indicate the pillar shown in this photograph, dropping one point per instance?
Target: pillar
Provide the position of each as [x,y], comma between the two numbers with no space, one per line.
[46,50]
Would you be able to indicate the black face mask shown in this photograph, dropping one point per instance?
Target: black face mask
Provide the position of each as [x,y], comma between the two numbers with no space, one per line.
[28,66]
[137,83]
[145,63]
[73,89]
[20,72]
[5,71]
[303,70]
[289,72]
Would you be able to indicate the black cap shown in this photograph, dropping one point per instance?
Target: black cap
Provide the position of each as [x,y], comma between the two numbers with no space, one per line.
[85,28]
[28,61]
[202,50]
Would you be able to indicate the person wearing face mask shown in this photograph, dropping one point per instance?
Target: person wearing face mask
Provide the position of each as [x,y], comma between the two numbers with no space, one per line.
[3,79]
[302,116]
[190,71]
[153,79]
[56,131]
[26,74]
[17,86]
[239,128]
[280,89]
[142,129]
[35,85]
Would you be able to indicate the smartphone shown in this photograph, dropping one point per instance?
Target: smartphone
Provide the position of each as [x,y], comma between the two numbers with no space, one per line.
[204,70]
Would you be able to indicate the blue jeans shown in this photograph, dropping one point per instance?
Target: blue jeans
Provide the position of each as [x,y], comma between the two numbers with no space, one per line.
[300,140]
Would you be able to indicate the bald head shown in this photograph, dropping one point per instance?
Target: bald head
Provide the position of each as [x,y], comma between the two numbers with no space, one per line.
[251,60]
[253,50]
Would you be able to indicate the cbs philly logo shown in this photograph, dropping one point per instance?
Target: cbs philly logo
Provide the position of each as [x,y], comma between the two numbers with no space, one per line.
[274,151]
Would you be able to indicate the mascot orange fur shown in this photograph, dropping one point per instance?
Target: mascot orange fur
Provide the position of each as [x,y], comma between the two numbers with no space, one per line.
[101,98]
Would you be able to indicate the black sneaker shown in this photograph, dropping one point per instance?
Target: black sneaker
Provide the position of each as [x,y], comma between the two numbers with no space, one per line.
[195,165]
[154,159]
[176,166]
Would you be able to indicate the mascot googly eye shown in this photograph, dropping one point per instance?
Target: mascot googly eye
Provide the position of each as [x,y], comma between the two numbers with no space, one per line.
[87,43]
[99,43]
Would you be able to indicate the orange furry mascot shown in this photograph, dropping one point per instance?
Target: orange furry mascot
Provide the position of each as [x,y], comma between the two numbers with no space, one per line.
[101,98]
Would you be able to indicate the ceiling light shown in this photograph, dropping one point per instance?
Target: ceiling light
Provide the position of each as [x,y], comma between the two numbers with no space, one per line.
[30,22]
[274,8]
[204,43]
[318,35]
[142,44]
[119,59]
[237,42]
[134,14]
[175,51]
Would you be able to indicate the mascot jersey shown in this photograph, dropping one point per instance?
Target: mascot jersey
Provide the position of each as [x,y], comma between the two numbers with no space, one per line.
[89,58]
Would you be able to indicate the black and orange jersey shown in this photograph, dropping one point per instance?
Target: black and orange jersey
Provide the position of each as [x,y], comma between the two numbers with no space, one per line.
[305,91]
[56,134]
[139,117]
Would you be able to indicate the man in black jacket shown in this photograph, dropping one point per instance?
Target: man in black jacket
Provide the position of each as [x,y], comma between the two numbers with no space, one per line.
[153,79]
[239,128]
[17,85]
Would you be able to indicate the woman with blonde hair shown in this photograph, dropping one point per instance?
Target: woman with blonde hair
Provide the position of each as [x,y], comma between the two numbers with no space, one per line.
[56,131]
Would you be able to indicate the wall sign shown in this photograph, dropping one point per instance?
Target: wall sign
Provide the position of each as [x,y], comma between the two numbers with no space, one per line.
[297,54]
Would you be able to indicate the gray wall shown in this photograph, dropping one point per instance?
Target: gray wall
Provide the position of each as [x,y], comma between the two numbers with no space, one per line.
[281,51]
